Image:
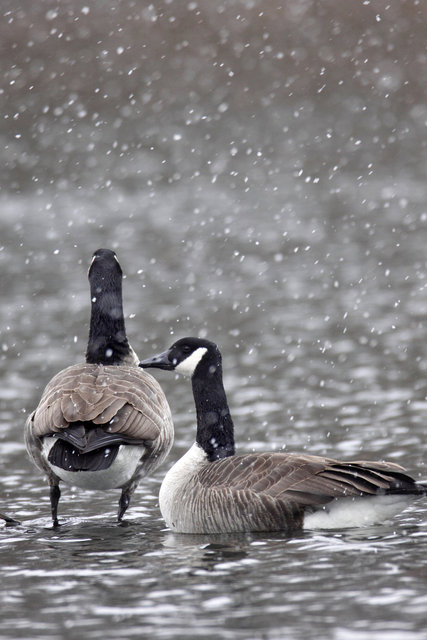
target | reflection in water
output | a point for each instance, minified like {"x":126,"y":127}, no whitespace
{"x":209,"y":555}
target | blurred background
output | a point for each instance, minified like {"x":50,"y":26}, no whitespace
{"x":137,"y":96}
{"x":260,"y":169}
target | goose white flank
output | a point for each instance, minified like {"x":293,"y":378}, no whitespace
{"x":105,"y":423}
{"x":212,"y":490}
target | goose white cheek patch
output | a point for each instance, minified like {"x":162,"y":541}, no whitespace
{"x":188,"y":366}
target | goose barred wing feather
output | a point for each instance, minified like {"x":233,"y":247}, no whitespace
{"x":304,"y":480}
{"x":272,"y":491}
{"x":127,"y":399}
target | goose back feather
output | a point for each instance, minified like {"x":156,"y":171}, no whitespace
{"x":125,"y":398}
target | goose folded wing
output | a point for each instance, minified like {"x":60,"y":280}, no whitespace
{"x":127,"y":400}
{"x":304,"y":480}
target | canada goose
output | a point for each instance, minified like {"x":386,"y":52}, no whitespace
{"x":211,"y":490}
{"x":104,"y":423}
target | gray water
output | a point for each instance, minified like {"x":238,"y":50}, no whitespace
{"x":246,"y":204}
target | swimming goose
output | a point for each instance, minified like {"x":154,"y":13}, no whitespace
{"x":104,"y":423}
{"x":211,"y":490}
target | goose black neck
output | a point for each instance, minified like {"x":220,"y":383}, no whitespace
{"x":215,"y":430}
{"x":108,"y":343}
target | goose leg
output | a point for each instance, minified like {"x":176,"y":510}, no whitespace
{"x":125,"y":499}
{"x":55,"y":494}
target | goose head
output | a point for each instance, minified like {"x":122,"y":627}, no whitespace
{"x":105,"y":271}
{"x":188,"y":356}
{"x":108,"y":343}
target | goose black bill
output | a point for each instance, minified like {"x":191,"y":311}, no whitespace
{"x":159,"y":361}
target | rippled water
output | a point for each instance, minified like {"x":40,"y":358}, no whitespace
{"x":97,"y":579}
{"x":322,"y":332}
{"x":260,"y":171}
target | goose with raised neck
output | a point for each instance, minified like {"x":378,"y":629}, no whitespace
{"x":212,"y":490}
{"x":104,"y":423}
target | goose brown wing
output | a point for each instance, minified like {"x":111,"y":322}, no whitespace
{"x":126,"y":398}
{"x":304,"y":480}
